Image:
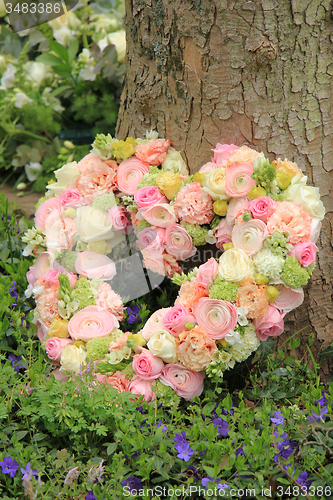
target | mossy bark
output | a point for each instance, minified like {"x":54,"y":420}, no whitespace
{"x":244,"y":72}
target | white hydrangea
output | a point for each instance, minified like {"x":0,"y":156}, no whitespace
{"x":250,"y":343}
{"x":268,"y":264}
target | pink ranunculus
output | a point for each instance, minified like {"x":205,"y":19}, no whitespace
{"x":217,"y":317}
{"x":223,"y":151}
{"x":44,"y":209}
{"x":289,"y":298}
{"x":178,"y":242}
{"x":160,"y":215}
{"x":269,"y":325}
{"x":176,"y":318}
{"x":305,"y":253}
{"x":222,"y":234}
{"x":262,"y":208}
{"x":146,"y":365}
{"x":186,"y":383}
{"x":94,"y":265}
{"x":142,"y":387}
{"x":54,"y":346}
{"x":208,"y":272}
{"x":72,"y":198}
{"x":42,"y":265}
{"x":206,"y":167}
{"x":152,"y":239}
{"x":110,"y":300}
{"x":154,"y":323}
{"x":152,"y":152}
{"x":59,"y":232}
{"x":238,"y":180}
{"x":148,"y":196}
{"x":235,"y":206}
{"x":119,"y":218}
{"x":249,"y":236}
{"x":92,"y":322}
{"x":130,"y":173}
{"x":194,"y":205}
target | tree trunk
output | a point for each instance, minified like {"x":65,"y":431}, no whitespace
{"x":245,"y":72}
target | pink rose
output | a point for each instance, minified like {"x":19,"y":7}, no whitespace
{"x":154,"y":323}
{"x":152,"y":152}
{"x":194,"y":205}
{"x":92,"y":322}
{"x":207,"y":166}
{"x":176,"y":318}
{"x":54,"y":346}
{"x":160,"y":215}
{"x":147,"y":196}
{"x":94,"y":265}
{"x":207,"y":272}
{"x":249,"y":236}
{"x":146,"y":365}
{"x":52,"y":278}
{"x":178,"y":242}
{"x":119,"y":218}
{"x":269,"y":325}
{"x":305,"y":253}
{"x":217,"y":317}
{"x":152,"y":239}
{"x":186,"y":383}
{"x":223,"y":151}
{"x":44,"y":209}
{"x":262,"y":208}
{"x":141,"y":387}
{"x":222,"y":234}
{"x":235,"y":206}
{"x":238,"y":180}
{"x":110,"y":300}
{"x":72,"y":198}
{"x":130,"y":173}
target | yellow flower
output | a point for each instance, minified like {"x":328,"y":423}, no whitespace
{"x":169,"y":183}
{"x":138,"y":339}
{"x":123,"y":150}
{"x":220,"y":207}
{"x":59,"y":328}
{"x":272,"y":293}
{"x":199,"y":177}
{"x":287,"y":167}
{"x":256,"y":192}
{"x":282,"y":179}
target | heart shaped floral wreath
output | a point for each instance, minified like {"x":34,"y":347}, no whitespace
{"x":262,"y":217}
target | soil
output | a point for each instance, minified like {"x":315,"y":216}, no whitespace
{"x":26,"y":204}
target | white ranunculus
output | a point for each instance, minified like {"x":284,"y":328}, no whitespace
{"x":307,"y":196}
{"x":66,"y":177}
{"x":92,"y":224}
{"x":214,"y":183}
{"x":163,"y":345}
{"x":72,"y":358}
{"x":174,"y":161}
{"x":21,"y":99}
{"x":8,"y":77}
{"x":234,"y":265}
{"x":118,"y":39}
{"x":35,"y":71}
{"x":32,"y":170}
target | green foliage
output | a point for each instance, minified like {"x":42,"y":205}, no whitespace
{"x":39,"y":118}
{"x":102,"y":110}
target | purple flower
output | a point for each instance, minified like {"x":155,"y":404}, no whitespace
{"x":91,"y":495}
{"x":240,"y":451}
{"x":180,"y":438}
{"x":281,"y":436}
{"x":9,"y":466}
{"x":134,"y":483}
{"x":222,"y":426}
{"x":278,"y":418}
{"x":28,"y":472}
{"x":304,"y":481}
{"x":323,"y":400}
{"x":12,"y":291}
{"x":185,"y":452}
{"x":286,"y":448}
{"x":318,"y":418}
{"x":159,"y":424}
{"x":140,"y":409}
{"x":133,"y":314}
{"x":205,"y":480}
{"x":15,"y":360}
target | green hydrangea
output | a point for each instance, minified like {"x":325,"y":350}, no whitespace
{"x":143,"y":224}
{"x":98,"y":347}
{"x":104,"y":201}
{"x":197,"y":233}
{"x":215,"y":222}
{"x":150,"y":178}
{"x":223,"y":290}
{"x":84,"y":293}
{"x":277,"y":243}
{"x":67,"y":260}
{"x":264,"y":174}
{"x":293,"y":274}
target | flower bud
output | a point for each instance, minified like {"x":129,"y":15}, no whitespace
{"x":228,"y":246}
{"x":69,"y":212}
{"x":246,"y":216}
{"x":69,"y":145}
{"x":21,"y":186}
{"x":256,"y":192}
{"x":189,"y":325}
{"x":272,"y":293}
{"x":198,"y":177}
{"x":282,"y":179}
{"x":261,"y":279}
{"x":137,"y":338}
{"x":220,"y":207}
{"x":79,"y":343}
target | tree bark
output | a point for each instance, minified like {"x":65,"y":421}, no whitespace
{"x":245,"y":72}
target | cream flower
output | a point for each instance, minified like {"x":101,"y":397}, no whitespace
{"x":72,"y":358}
{"x":214,"y":183}
{"x":92,"y":224}
{"x":307,"y":196}
{"x":66,"y":178}
{"x":234,"y":265}
{"x":249,"y":236}
{"x":118,"y":39}
{"x":163,"y":345}
{"x":175,"y":162}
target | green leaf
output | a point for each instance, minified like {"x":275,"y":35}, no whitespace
{"x":111,"y":448}
{"x":59,"y":90}
{"x":63,"y":70}
{"x":72,"y":50}
{"x":266,"y":348}
{"x":59,"y":50}
{"x":49,"y":59}
{"x":328,"y":352}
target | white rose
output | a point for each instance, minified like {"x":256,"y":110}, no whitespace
{"x":32,"y":170}
{"x":214,"y":183}
{"x":72,"y":358}
{"x":92,"y":224}
{"x":21,"y":100}
{"x":163,"y":345}
{"x":174,"y":161}
{"x":35,"y":71}
{"x":8,"y":77}
{"x":234,"y":265}
{"x":118,"y":39}
{"x":66,"y":177}
{"x":307,"y":196}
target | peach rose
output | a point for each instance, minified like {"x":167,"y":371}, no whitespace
{"x":238,"y":180}
{"x":154,"y":323}
{"x":223,"y":151}
{"x":152,"y":152}
{"x":91,"y":322}
{"x":262,"y":208}
{"x":270,"y":325}
{"x":141,"y":387}
{"x":186,"y":383}
{"x":117,"y":380}
{"x":305,"y":253}
{"x":217,"y":317}
{"x":54,"y":347}
{"x":146,"y":365}
{"x":193,"y":205}
{"x":222,"y":234}
{"x":94,"y":265}
{"x":178,"y":242}
{"x":195,"y":349}
{"x":130,"y":173}
{"x":189,"y":294}
{"x":249,"y":236}
{"x":160,"y":215}
{"x":110,"y":300}
{"x":148,"y":196}
{"x":207,"y":272}
{"x":176,"y":318}
{"x":44,"y":209}
{"x":96,"y":176}
{"x":290,"y":217}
